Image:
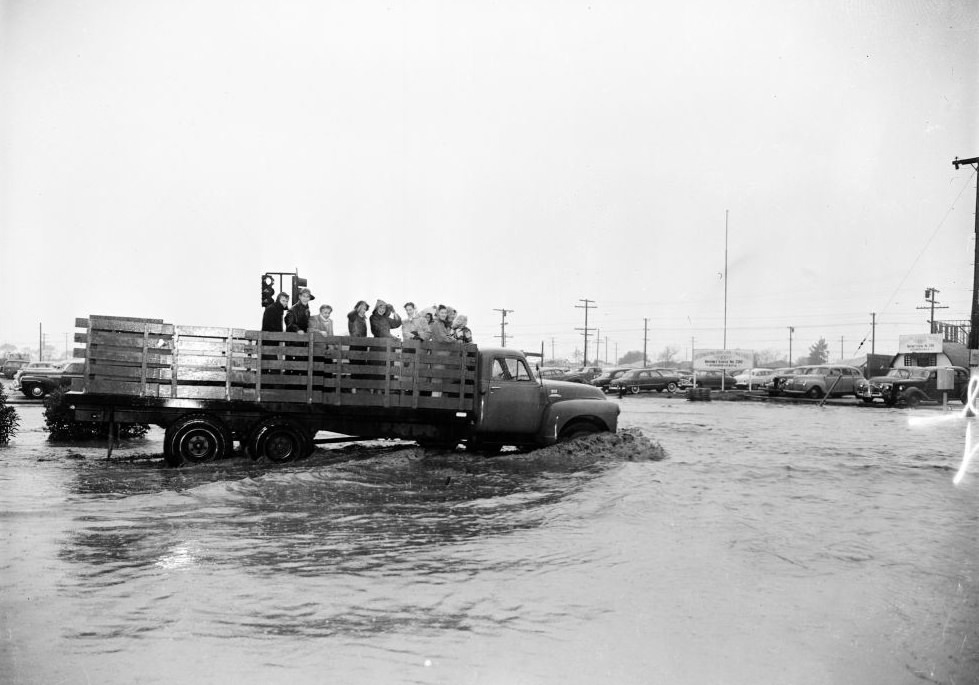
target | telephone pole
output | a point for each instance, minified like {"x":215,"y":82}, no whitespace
{"x":974,"y":321}
{"x":645,"y":335}
{"x":930,"y":298}
{"x":873,"y":332}
{"x":588,"y":304}
{"x":502,"y":335}
{"x":791,"y":331}
{"x":598,"y":344}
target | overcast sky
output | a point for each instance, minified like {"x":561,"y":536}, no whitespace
{"x":157,"y":157}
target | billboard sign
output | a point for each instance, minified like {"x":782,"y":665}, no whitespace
{"x":723,"y":359}
{"x":924,"y":343}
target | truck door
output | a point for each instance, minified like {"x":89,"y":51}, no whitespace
{"x":510,"y":399}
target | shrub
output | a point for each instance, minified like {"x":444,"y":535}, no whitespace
{"x":62,"y":426}
{"x":8,"y":419}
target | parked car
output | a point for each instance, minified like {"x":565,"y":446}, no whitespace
{"x":583,"y":375}
{"x":775,"y":382}
{"x":10,"y":367}
{"x":818,"y":381}
{"x":711,"y":378}
{"x":602,"y":381}
{"x":753,"y":378}
{"x":912,"y":385}
{"x":637,"y":380}
{"x":552,"y":373}
{"x":39,"y":381}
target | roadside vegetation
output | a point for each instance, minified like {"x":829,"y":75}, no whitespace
{"x":9,"y":421}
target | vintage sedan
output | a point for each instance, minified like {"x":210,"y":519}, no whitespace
{"x":833,"y":380}
{"x":780,"y":377}
{"x":711,"y":378}
{"x":608,"y":376}
{"x":638,"y":380}
{"x":38,"y":382}
{"x":913,"y":385}
{"x":754,"y":379}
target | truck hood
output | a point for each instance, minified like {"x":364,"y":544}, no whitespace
{"x":561,"y":390}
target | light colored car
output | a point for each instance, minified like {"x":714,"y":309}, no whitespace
{"x":818,"y":381}
{"x":753,"y":378}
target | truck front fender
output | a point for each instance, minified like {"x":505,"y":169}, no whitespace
{"x":602,"y":414}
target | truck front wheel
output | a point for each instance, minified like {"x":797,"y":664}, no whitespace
{"x":578,"y":430}
{"x":196,"y":439}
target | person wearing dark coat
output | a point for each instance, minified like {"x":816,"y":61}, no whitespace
{"x":297,"y":320}
{"x":272,"y":318}
{"x":383,"y":319}
{"x":357,"y":320}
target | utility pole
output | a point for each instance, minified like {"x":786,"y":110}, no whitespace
{"x":40,"y":341}
{"x":974,"y":321}
{"x":873,"y":332}
{"x":598,"y":344}
{"x":791,"y":331}
{"x":606,"y":349}
{"x":841,"y":348}
{"x":502,"y":335}
{"x":552,"y":350}
{"x":645,"y":332}
{"x":725,"y":278}
{"x":930,"y":298}
{"x":588,"y":304}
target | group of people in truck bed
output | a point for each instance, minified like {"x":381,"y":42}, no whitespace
{"x":438,"y":323}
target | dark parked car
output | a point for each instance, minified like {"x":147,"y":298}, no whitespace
{"x":711,"y":378}
{"x":607,"y":377}
{"x":39,"y":382}
{"x":10,"y":367}
{"x":912,"y":385}
{"x":637,"y":380}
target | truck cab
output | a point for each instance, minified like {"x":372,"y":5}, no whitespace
{"x":515,"y":407}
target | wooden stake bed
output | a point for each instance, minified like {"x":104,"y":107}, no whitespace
{"x":147,"y":358}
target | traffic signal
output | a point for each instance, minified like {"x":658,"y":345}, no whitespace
{"x":297,"y":283}
{"x":268,"y":290}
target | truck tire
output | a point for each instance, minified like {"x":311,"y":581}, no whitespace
{"x":280,"y":440}
{"x":196,"y":439}
{"x":912,"y":399}
{"x":577,"y":430}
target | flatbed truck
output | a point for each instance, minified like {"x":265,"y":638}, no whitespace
{"x":272,"y":393}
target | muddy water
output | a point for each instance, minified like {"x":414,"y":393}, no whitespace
{"x":773,"y":544}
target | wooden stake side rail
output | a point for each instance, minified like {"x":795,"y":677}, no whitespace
{"x":150,"y":358}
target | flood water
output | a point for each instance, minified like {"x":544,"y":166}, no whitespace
{"x":772,"y":544}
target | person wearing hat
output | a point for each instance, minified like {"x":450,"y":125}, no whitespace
{"x":297,"y":319}
{"x":272,"y":317}
{"x":383,"y":319}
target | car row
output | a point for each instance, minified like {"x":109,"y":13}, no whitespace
{"x":11,"y":365}
{"x":636,"y":381}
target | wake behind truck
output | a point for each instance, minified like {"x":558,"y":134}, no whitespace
{"x":273,"y":392}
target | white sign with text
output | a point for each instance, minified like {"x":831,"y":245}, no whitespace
{"x":924,"y":343}
{"x":723,"y":359}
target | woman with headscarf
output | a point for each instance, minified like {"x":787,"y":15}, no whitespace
{"x":460,"y":331}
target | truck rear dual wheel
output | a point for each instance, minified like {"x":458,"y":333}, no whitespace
{"x":280,"y":440}
{"x":196,"y":439}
